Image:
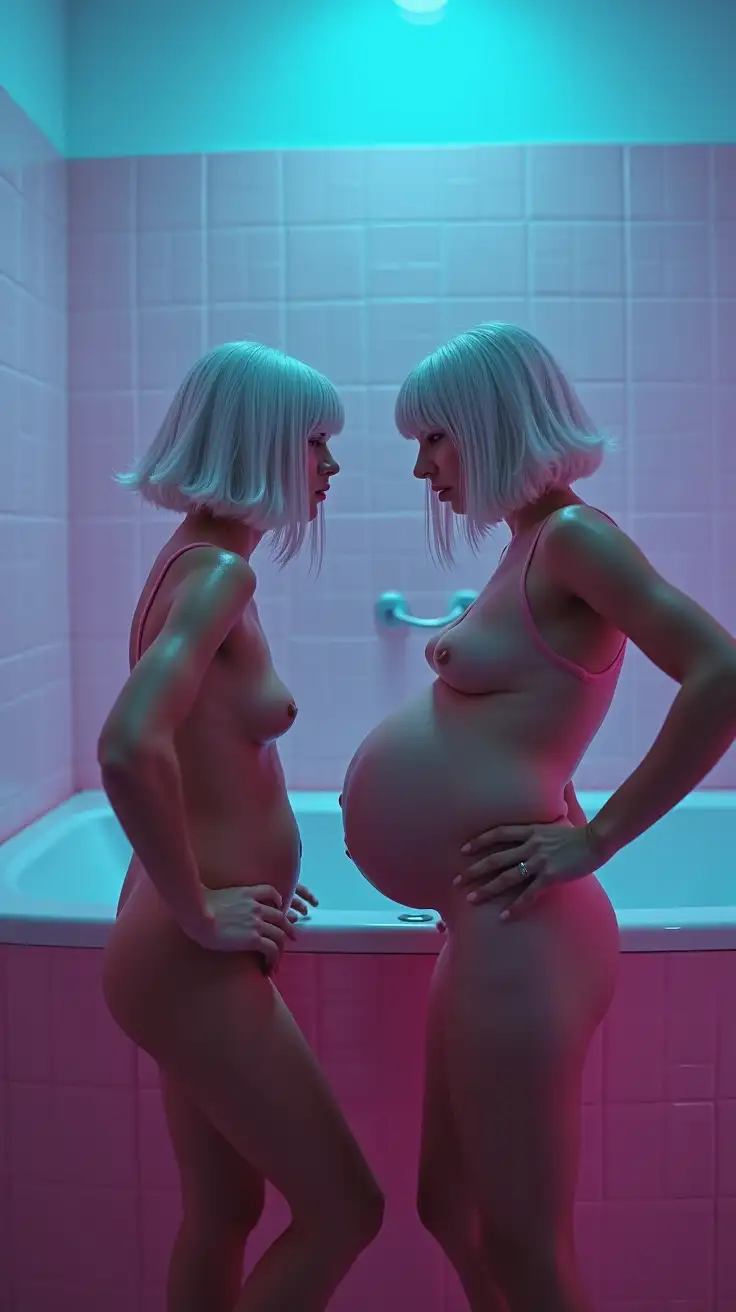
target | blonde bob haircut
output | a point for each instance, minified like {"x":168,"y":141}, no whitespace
{"x":234,"y":442}
{"x":515,"y":419}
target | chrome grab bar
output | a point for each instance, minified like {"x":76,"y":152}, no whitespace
{"x":392,"y":610}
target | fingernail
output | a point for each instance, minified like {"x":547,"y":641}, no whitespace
{"x":466,"y":848}
{"x":472,"y":897}
{"x":457,"y":879}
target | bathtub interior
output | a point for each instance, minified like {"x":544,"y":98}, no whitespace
{"x":79,"y":855}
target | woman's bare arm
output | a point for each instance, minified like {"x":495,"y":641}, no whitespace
{"x":140,"y":769}
{"x":595,"y":561}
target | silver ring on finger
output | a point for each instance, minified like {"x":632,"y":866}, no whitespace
{"x":523,"y":870}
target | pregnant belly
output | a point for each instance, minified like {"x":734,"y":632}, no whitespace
{"x":422,"y":783}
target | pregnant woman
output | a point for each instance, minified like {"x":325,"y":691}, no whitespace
{"x":191,"y":767}
{"x":485,"y":755}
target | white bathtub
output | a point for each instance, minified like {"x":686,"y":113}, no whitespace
{"x":673,"y":889}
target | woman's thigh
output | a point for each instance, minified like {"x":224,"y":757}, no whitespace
{"x":522,"y":1000}
{"x":221,"y":1033}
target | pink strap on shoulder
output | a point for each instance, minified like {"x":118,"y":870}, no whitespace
{"x":188,"y":546}
{"x":544,"y":647}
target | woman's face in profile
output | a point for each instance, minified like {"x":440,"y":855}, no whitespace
{"x":321,"y":467}
{"x":439,"y":461}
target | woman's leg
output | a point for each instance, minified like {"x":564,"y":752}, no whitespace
{"x":234,"y":1058}
{"x":445,"y":1200}
{"x":523,"y":1001}
{"x":222,"y":1201}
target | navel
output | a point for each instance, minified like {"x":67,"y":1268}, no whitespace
{"x":442,"y":657}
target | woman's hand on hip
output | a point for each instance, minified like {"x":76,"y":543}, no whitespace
{"x":302,"y":896}
{"x":245,"y":919}
{"x":529,"y":858}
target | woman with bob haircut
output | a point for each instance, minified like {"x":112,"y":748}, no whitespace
{"x":190,"y":764}
{"x":463,"y":801}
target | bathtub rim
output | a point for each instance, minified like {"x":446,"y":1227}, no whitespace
{"x":88,"y":924}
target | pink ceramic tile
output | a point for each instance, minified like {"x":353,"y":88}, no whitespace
{"x":576,"y":182}
{"x":590,"y":1181}
{"x":11,"y":303}
{"x":403,"y":1267}
{"x":725,"y":1249}
{"x":676,"y":413}
{"x":101,"y":194}
{"x":325,"y":186}
{"x":725,"y":340}
{"x":67,"y":1135}
{"x":724,"y":176}
{"x":87,"y":1046}
{"x":328,"y":337}
{"x":692,"y":998}
{"x":485,"y":259}
{"x":245,"y":322}
{"x":169,"y":268}
{"x":158,"y":1170}
{"x":11,"y":229}
{"x":169,"y":192}
{"x":671,"y":340}
{"x":670,"y":260}
{"x":402,"y":184}
{"x":169,"y":340}
{"x":573,"y":259}
{"x":68,"y":1234}
{"x":669,"y":182}
{"x":104,"y":444}
{"x":725,"y":463}
{"x":657,"y":1249}
{"x":726,"y":1147}
{"x":586,"y":335}
{"x":398,"y":335}
{"x":403,"y":259}
{"x":633,"y":1068}
{"x":325,"y":263}
{"x":6,"y":1248}
{"x":3,"y":1028}
{"x":36,"y":1297}
{"x":588,"y":1236}
{"x":482,"y":182}
{"x":104,"y":587}
{"x":29,"y":1034}
{"x":458,"y":314}
{"x":243,"y":264}
{"x":160,"y":1220}
{"x":672,"y":474}
{"x":101,"y":269}
{"x":681,"y":547}
{"x":689,"y":1150}
{"x":100,"y":350}
{"x":633,"y":1152}
{"x":242,"y":188}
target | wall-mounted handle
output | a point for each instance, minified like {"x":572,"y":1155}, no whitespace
{"x":392,"y":610}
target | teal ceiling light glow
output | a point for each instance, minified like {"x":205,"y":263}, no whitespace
{"x":422,"y":11}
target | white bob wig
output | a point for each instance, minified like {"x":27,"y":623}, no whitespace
{"x":234,"y":442}
{"x":515,"y":419}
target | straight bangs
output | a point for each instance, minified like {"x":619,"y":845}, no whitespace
{"x":234,"y":442}
{"x":427,"y":403}
{"x":515,"y":419}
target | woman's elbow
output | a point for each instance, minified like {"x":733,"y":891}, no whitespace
{"x":118,"y":749}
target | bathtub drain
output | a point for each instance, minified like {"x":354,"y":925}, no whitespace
{"x":416,"y":917}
